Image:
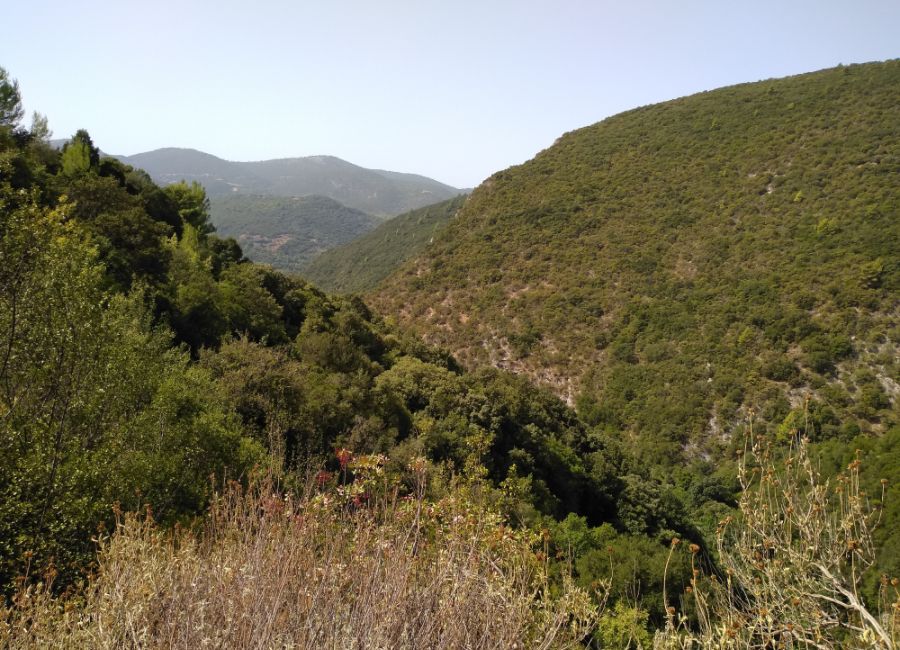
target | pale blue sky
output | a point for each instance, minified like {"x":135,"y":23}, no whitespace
{"x":454,"y":90}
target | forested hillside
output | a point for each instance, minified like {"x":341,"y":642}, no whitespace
{"x":674,"y":268}
{"x":287,"y":232}
{"x":359,"y":265}
{"x":146,"y":361}
{"x":199,"y":451}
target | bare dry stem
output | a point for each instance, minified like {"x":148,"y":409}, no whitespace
{"x":324,"y":570}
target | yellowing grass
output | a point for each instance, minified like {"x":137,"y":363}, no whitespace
{"x":335,"y":568}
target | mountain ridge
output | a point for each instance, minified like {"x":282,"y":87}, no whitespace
{"x":377,"y":192}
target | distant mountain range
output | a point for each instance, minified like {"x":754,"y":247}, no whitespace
{"x":373,"y":191}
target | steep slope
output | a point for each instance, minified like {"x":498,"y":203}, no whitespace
{"x":373,"y":191}
{"x":675,"y":266}
{"x":361,"y":264}
{"x":287,"y":232}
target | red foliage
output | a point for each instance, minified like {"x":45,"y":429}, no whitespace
{"x":344,"y":457}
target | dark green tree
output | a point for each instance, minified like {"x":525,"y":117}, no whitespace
{"x":192,"y":204}
{"x":10,"y":101}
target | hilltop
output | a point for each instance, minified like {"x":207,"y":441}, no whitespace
{"x":674,"y":268}
{"x":376,"y":192}
{"x":362,"y":263}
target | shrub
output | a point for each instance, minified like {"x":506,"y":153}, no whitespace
{"x":345,"y":565}
{"x":792,"y":563}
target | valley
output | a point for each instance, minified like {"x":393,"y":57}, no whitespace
{"x":638,"y":391}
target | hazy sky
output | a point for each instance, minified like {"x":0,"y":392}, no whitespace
{"x":454,"y":90}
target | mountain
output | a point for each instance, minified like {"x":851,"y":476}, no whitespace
{"x":361,"y":264}
{"x":218,"y":176}
{"x":287,"y":232}
{"x":687,"y":263}
{"x":146,"y":361}
{"x":676,"y":268}
{"x":375,"y":192}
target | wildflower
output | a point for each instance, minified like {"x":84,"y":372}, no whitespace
{"x":344,"y":456}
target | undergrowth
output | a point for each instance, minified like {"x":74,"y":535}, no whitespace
{"x":349,"y":562}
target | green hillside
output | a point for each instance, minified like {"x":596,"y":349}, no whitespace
{"x":196,"y":450}
{"x":675,"y":267}
{"x":361,"y":264}
{"x":287,"y":232}
{"x":146,"y":360}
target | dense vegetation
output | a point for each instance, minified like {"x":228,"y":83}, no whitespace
{"x":673,"y":268}
{"x":359,"y":265}
{"x":145,"y":360}
{"x":373,"y":191}
{"x":287,"y":232}
{"x":147,"y":365}
{"x":317,"y":570}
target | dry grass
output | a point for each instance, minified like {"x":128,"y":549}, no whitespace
{"x":792,"y":563}
{"x":343,"y":566}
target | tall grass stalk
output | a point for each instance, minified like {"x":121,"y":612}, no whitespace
{"x":340,"y":566}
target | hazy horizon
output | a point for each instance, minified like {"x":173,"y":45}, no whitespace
{"x":450,"y":92}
